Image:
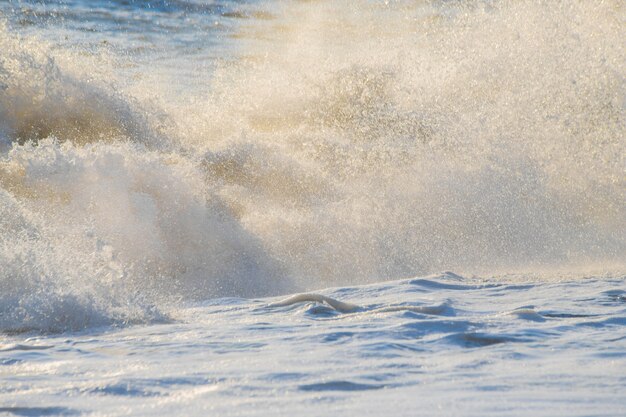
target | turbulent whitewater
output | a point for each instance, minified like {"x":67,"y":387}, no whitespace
{"x":181,"y":182}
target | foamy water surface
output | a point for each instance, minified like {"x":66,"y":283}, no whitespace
{"x":440,"y":345}
{"x":170,"y":171}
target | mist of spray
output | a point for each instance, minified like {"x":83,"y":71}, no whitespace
{"x":348,"y":143}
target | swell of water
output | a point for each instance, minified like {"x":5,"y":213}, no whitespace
{"x":344,"y":144}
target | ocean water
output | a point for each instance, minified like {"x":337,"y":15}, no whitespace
{"x":246,"y":208}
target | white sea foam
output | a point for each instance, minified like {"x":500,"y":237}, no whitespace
{"x":171,"y":171}
{"x":341,"y":143}
{"x":436,"y":345}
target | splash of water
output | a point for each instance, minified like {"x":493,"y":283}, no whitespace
{"x":347,"y":144}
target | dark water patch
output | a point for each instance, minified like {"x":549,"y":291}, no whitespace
{"x":494,"y":388}
{"x":515,"y":287}
{"x":392,"y":347}
{"x":381,"y":377}
{"x":177,"y":381}
{"x":263,"y":326}
{"x":74,"y":350}
{"x":419,"y":329}
{"x":443,"y":309}
{"x":610,"y":355}
{"x":617,"y":339}
{"x":475,"y":364}
{"x":568,"y":315}
{"x":124,"y":389}
{"x":612,"y":321}
{"x":224,"y":348}
{"x":387,"y":351}
{"x":615,"y":296}
{"x":538,"y":333}
{"x":339,"y":386}
{"x":285,"y":376}
{"x":519,"y":356}
{"x":339,"y":337}
{"x":475,"y":340}
{"x":432,"y":284}
{"x":149,"y":387}
{"x":38,"y":411}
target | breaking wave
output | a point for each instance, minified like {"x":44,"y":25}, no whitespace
{"x":345,"y":143}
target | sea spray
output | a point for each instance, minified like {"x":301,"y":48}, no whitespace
{"x":475,"y":136}
{"x":342,"y":143}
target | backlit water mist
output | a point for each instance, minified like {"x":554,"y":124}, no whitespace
{"x":163,"y":164}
